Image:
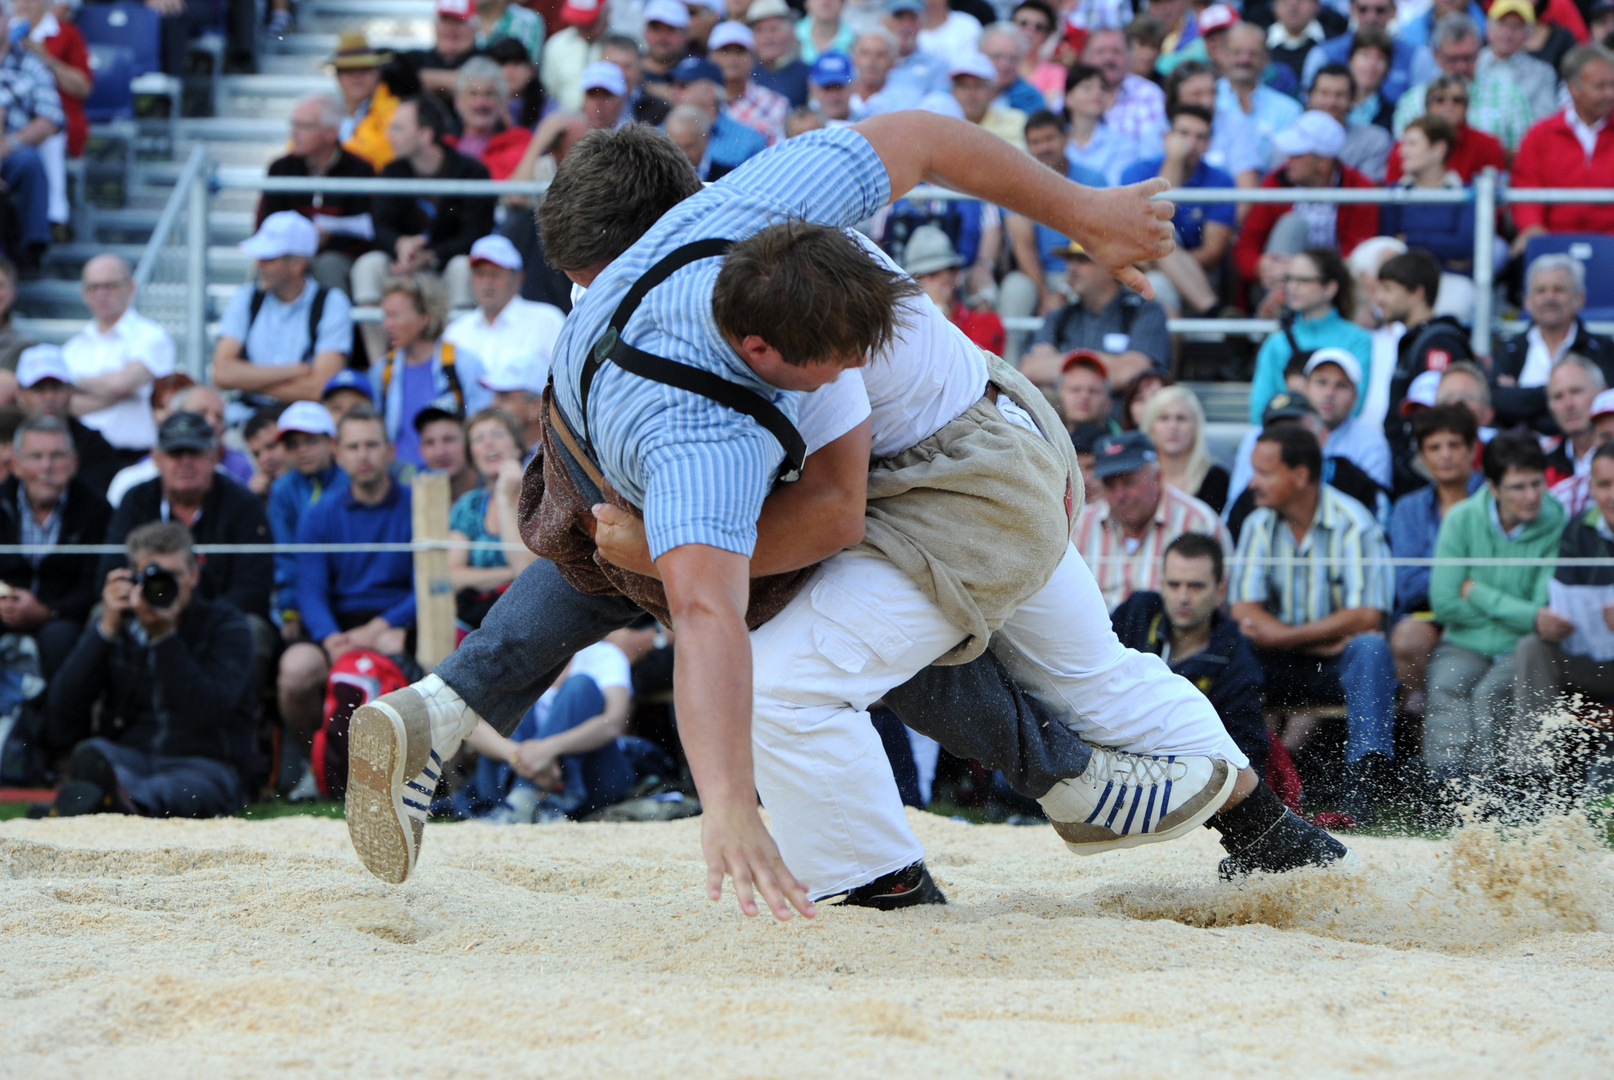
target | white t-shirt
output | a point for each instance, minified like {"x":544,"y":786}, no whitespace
{"x":521,"y":339}
{"x":954,"y":39}
{"x":127,"y":424}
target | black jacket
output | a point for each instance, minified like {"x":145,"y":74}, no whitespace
{"x":97,"y":462}
{"x":1225,"y":671}
{"x":1430,"y":346}
{"x":190,"y":695}
{"x":1517,"y":405}
{"x":66,"y":583}
{"x":347,"y":165}
{"x":451,"y":223}
{"x":230,"y":515}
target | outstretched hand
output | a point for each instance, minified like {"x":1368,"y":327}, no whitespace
{"x":1130,"y":226}
{"x":737,"y":845}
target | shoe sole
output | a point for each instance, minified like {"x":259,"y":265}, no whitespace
{"x":1211,"y":799}
{"x":380,"y":737}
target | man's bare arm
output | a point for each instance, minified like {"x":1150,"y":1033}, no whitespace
{"x":1117,"y":226}
{"x":707,"y":593}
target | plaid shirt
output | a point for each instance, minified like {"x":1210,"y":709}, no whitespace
{"x":1139,"y":111}
{"x":1330,"y":570}
{"x":1102,"y":542}
{"x":28,"y":90}
{"x":1496,"y":106}
{"x":762,"y":110}
{"x":35,"y":533}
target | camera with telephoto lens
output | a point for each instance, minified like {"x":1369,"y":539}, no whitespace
{"x":159,"y":588}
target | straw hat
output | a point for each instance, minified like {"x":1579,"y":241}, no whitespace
{"x":353,"y":53}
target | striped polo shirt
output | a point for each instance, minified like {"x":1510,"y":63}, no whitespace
{"x":1341,"y":562}
{"x":1121,"y":572}
{"x":697,"y":469}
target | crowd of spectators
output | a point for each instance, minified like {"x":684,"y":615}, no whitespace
{"x":384,"y":336}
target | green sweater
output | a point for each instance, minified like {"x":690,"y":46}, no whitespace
{"x":1502,"y":606}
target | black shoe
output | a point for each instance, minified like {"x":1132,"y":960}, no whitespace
{"x":88,"y":765}
{"x":78,"y":797}
{"x":907,"y":887}
{"x":1291,"y":844}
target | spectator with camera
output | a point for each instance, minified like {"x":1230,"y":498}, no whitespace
{"x":48,"y":595}
{"x":173,"y":674}
{"x":351,"y":599}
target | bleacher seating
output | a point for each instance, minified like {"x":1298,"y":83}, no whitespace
{"x":112,"y":97}
{"x":128,"y":25}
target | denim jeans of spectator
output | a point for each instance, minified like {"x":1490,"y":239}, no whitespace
{"x":23,"y":170}
{"x":1470,"y":706}
{"x":164,"y":786}
{"x":593,"y":780}
{"x":1362,"y":676}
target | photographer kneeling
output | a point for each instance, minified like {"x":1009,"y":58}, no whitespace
{"x":174,"y":674}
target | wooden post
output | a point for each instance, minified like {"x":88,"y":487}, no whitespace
{"x":434,"y":592}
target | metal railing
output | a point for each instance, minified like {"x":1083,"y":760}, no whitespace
{"x":171,"y":277}
{"x":1486,"y":193}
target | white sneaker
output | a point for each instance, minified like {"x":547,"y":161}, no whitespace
{"x":396,"y":748}
{"x":1124,"y":800}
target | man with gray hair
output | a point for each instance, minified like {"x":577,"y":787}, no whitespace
{"x":1005,"y":46}
{"x":480,"y":93}
{"x":343,"y":220}
{"x":874,"y":54}
{"x":1572,"y":388}
{"x":690,"y":130}
{"x":1554,"y":293}
{"x":1496,"y":105}
{"x":1571,"y":149}
{"x":48,"y":595}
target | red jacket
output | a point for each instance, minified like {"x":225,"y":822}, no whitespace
{"x":504,"y":151}
{"x":1473,"y":151}
{"x":1356,"y":221}
{"x":1551,"y":157}
{"x":984,"y":328}
{"x":67,"y":46}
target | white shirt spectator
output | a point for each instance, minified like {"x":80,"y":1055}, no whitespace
{"x":520,"y":338}
{"x":127,"y":424}
{"x":954,"y":39}
{"x":1539,"y":360}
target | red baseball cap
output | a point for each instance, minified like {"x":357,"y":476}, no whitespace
{"x":455,"y":9}
{"x":581,"y":12}
{"x":1086,"y":358}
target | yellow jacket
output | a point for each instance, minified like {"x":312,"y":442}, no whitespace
{"x":369,"y":139}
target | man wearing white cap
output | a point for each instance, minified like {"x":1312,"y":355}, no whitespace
{"x":505,"y":331}
{"x":44,"y":388}
{"x":1274,"y":231}
{"x":307,"y":434}
{"x":455,"y":43}
{"x":974,"y":88}
{"x":282,"y":336}
{"x":1333,"y":382}
{"x":732,"y":47}
{"x":605,"y":96}
{"x":780,"y":67}
{"x":568,"y":52}
{"x":112,"y":361}
{"x":666,"y":41}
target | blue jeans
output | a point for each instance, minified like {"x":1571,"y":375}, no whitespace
{"x":160,"y":785}
{"x":593,"y":780}
{"x":1363,"y":677}
{"x":24,"y":173}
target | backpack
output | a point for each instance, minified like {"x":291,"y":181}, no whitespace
{"x":359,"y":676}
{"x":449,"y":373}
{"x":315,"y":311}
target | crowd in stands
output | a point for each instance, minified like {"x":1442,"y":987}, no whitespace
{"x":1375,"y":432}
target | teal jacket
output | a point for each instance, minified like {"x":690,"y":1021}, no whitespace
{"x":1502,"y":606}
{"x":1332,"y":329}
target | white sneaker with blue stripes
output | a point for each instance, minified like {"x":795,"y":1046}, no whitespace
{"x":1125,"y":800}
{"x":396,"y":748}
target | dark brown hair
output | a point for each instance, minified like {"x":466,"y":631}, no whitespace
{"x":611,"y":188}
{"x":1455,"y":419}
{"x":1437,"y":129}
{"x":811,"y":292}
{"x":1332,"y":268}
{"x":1297,"y":447}
{"x":1516,"y":449}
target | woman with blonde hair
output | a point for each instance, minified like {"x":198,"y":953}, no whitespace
{"x":487,"y":512}
{"x":421,"y":370}
{"x":1174,"y":420}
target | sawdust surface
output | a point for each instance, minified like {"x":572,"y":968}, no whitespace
{"x":134,"y":948}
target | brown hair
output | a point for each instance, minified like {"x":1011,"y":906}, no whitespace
{"x":160,"y":538}
{"x":509,"y":422}
{"x":611,"y":188}
{"x":1437,"y":129}
{"x":1455,"y":419}
{"x":361,"y":413}
{"x":811,"y":292}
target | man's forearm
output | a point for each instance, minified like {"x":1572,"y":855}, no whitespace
{"x":35,"y":131}
{"x":234,"y":373}
{"x":808,"y":521}
{"x":1336,"y":627}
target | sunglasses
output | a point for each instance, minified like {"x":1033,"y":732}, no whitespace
{"x":1448,"y":100}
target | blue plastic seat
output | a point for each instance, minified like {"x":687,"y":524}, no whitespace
{"x":111,"y":98}
{"x":1594,"y":251}
{"x":128,"y":25}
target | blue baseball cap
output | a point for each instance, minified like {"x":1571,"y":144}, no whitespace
{"x":693,"y":69}
{"x":831,"y":69}
{"x":1120,"y":454}
{"x":348,"y":379}
{"x":896,"y":7}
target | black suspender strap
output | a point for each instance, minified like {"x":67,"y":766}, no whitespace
{"x":659,"y":369}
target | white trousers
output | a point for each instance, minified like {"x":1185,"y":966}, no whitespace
{"x":53,"y":154}
{"x":861,"y":627}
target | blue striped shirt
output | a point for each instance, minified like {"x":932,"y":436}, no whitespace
{"x":1341,"y":562}
{"x":697,"y":469}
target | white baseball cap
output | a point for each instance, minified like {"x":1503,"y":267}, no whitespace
{"x":285,"y":233}
{"x":604,"y":75}
{"x":1603,"y":404}
{"x":308,"y":417}
{"x":515,"y":376}
{"x":729,"y":33}
{"x":1422,"y":391}
{"x":1344,"y":359}
{"x":667,"y":13}
{"x":1314,"y":133}
{"x":976,"y":64}
{"x":497,"y":250}
{"x":40,"y":362}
